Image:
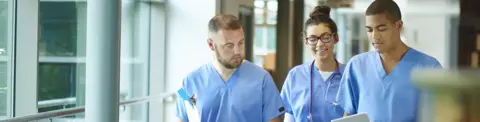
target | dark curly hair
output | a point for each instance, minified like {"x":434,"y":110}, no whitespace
{"x":321,"y":15}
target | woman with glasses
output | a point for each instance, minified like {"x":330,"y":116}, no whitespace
{"x":310,"y":89}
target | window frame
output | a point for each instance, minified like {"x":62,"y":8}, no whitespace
{"x":77,"y":59}
{"x":25,"y":58}
{"x":25,"y":78}
{"x":9,"y":59}
{"x":264,"y":49}
{"x":146,"y":11}
{"x":157,"y":83}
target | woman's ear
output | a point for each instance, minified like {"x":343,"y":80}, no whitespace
{"x":304,"y":38}
{"x":336,"y":39}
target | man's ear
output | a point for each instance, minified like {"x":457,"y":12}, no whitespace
{"x":211,"y":44}
{"x":399,"y":24}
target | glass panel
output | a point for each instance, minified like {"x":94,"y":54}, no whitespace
{"x":259,"y":36}
{"x":259,"y":18}
{"x":62,"y":29}
{"x":62,"y":48}
{"x":3,"y":88}
{"x":272,"y":18}
{"x":61,"y":68}
{"x":4,"y":17}
{"x":58,"y":81}
{"x":259,"y":4}
{"x":6,"y":51}
{"x":272,"y":38}
{"x":272,"y":12}
{"x":134,"y":72}
{"x":272,"y":6}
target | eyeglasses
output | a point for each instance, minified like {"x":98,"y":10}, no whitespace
{"x":325,"y":38}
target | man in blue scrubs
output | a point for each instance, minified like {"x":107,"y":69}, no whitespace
{"x":230,"y":89}
{"x":379,"y":82}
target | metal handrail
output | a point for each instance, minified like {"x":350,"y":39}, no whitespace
{"x":65,"y":101}
{"x":57,"y":102}
{"x":77,"y":110}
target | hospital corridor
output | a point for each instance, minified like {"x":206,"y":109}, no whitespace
{"x":239,"y":60}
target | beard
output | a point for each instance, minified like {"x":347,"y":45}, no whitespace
{"x":226,"y":63}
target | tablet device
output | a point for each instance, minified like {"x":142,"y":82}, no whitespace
{"x":192,"y":111}
{"x":361,"y":117}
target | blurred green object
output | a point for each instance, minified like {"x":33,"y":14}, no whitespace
{"x":448,"y":95}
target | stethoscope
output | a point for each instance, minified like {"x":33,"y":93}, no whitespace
{"x":329,"y":81}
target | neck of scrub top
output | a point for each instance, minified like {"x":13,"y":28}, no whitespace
{"x":396,"y":53}
{"x":326,"y":65}
{"x":224,"y":72}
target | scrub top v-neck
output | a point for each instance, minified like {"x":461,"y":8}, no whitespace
{"x":249,"y":95}
{"x":365,"y":87}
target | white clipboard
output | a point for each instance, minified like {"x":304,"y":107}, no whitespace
{"x":192,"y":111}
{"x":361,"y":117}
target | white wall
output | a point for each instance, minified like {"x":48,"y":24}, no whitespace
{"x":426,"y":24}
{"x":186,"y":39}
{"x":186,"y":42}
{"x":427,"y":28}
{"x":428,"y":34}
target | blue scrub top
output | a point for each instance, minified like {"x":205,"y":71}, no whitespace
{"x":249,"y":95}
{"x":296,"y":94}
{"x":366,"y":88}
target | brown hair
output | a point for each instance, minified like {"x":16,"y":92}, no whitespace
{"x":321,"y":15}
{"x":224,"y":22}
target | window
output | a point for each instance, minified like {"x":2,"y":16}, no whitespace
{"x":271,"y":9}
{"x":61,"y":68}
{"x":259,"y":37}
{"x":265,"y":28}
{"x":62,"y":51}
{"x":6,"y":56}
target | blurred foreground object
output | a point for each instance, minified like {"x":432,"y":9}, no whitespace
{"x":476,"y":54}
{"x":454,"y":95}
{"x":468,"y":35}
